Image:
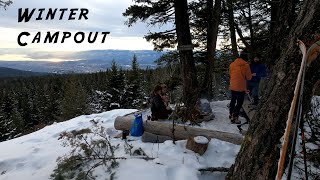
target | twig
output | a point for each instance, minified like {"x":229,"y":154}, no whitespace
{"x":88,"y":144}
{"x":94,"y":166}
{"x":214,"y":169}
{"x":115,"y":158}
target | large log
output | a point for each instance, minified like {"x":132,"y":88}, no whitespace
{"x":180,"y":131}
{"x":248,"y":109}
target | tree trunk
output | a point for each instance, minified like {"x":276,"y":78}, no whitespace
{"x":274,"y":15}
{"x":180,"y":131}
{"x":250,"y":27}
{"x":281,"y":18}
{"x":232,"y":29}
{"x":212,"y":35}
{"x":239,"y":31}
{"x":188,"y":69}
{"x":259,"y":154}
{"x":197,"y":147}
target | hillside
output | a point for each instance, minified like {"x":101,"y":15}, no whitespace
{"x":33,"y":156}
{"x":87,"y":61}
{"x":9,"y":72}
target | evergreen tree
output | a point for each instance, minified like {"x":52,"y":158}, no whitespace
{"x":116,"y":87}
{"x":74,"y":100}
{"x":10,"y":118}
{"x":134,"y":88}
{"x":5,"y":4}
{"x":53,"y":99}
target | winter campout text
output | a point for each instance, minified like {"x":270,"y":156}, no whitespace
{"x":24,"y":15}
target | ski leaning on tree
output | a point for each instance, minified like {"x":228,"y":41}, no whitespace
{"x":296,"y":107}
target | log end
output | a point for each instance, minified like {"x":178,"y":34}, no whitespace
{"x":198,"y":144}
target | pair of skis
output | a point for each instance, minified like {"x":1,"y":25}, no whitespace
{"x":307,"y":58}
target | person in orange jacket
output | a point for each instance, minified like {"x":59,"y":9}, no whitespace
{"x":240,"y":73}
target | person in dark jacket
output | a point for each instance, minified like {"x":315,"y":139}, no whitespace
{"x":159,"y":109}
{"x":164,"y":94}
{"x":258,"y":70}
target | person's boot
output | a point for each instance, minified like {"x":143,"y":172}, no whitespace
{"x":231,"y":117}
{"x":236,"y":120}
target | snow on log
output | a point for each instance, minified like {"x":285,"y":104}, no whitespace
{"x":198,"y":144}
{"x":180,"y":131}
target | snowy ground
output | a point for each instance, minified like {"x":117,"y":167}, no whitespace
{"x":221,"y":121}
{"x":33,"y":157}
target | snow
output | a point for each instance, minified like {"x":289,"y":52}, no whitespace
{"x":201,"y":140}
{"x":221,"y":121}
{"x":99,"y":92}
{"x":33,"y":156}
{"x":298,"y":170}
{"x":311,"y":146}
{"x":114,"y":104}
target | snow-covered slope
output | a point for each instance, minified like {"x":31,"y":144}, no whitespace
{"x":33,"y":157}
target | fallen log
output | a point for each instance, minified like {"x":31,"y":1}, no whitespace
{"x":180,"y":131}
{"x":249,"y":109}
{"x":153,"y":138}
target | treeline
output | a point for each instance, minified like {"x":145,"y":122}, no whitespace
{"x":30,"y":103}
{"x":27,"y":103}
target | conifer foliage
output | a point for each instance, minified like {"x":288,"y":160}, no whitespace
{"x":30,"y":103}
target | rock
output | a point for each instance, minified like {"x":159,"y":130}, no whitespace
{"x":204,"y":107}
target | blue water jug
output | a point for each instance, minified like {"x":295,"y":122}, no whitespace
{"x":137,"y":126}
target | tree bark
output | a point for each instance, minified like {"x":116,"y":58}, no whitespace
{"x":188,"y":69}
{"x":274,"y":15}
{"x":232,"y":29}
{"x":197,"y":147}
{"x":281,"y":18}
{"x":212,"y":35}
{"x":239,"y":31}
{"x":259,"y":154}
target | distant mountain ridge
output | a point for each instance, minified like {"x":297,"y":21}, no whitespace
{"x":9,"y":72}
{"x":88,"y":61}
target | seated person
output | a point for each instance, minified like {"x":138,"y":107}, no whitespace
{"x":164,"y":94}
{"x":159,"y":110}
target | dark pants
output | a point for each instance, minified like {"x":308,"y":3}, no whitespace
{"x":253,"y":87}
{"x":161,"y":114}
{"x":237,"y":99}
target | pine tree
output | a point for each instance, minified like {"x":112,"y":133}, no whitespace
{"x":74,"y":99}
{"x":134,"y":88}
{"x":10,"y":118}
{"x":53,"y":99}
{"x":116,"y":87}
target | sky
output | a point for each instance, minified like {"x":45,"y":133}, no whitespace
{"x":104,"y":15}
